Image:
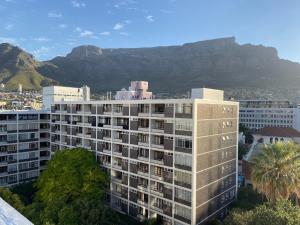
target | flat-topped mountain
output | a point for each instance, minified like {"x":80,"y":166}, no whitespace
{"x":218,"y":63}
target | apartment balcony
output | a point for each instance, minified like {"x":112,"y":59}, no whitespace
{"x":117,"y":139}
{"x":125,"y":138}
{"x":106,"y":163}
{"x":143,"y":143}
{"x":45,"y":157}
{"x":133,"y":196}
{"x":157,"y":176}
{"x":125,"y":166}
{"x":124,"y":193}
{"x":143,"y":129}
{"x":157,"y":207}
{"x":133,"y":168}
{"x":134,"y":153}
{"x":182,"y":184}
{"x":107,"y":138}
{"x":3,"y":163}
{"x":106,"y":125}
{"x":168,"y":176}
{"x":117,"y":152}
{"x":168,"y":160}
{"x":117,"y":165}
{"x":143,"y":157}
{"x":157,"y":160}
{"x":157,"y":144}
{"x":125,"y":152}
{"x":142,"y":202}
{"x":116,"y":192}
{"x":105,"y":150}
{"x":143,"y":172}
{"x":133,"y":182}
{"x":117,"y":179}
{"x":142,"y":186}
{"x":168,"y":193}
{"x":124,"y":179}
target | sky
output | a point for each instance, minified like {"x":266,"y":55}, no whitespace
{"x":48,"y":28}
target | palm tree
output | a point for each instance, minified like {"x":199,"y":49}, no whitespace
{"x":276,"y":171}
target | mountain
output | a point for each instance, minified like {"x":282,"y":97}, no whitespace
{"x":17,"y":66}
{"x":218,"y":63}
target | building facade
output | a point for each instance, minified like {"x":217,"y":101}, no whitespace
{"x":137,"y":90}
{"x":257,"y":114}
{"x":53,"y":94}
{"x":24,"y":145}
{"x":173,"y":160}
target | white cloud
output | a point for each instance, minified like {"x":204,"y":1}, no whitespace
{"x":42,"y":51}
{"x":124,"y":34}
{"x":9,"y":26}
{"x":54,"y":15}
{"x":86,"y":33}
{"x":105,"y":33}
{"x":118,"y":26}
{"x":41,"y":39}
{"x":150,"y":19}
{"x":128,"y":21}
{"x":78,"y":4}
{"x":62,"y":26}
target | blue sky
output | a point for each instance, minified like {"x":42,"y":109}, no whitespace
{"x":47,"y":28}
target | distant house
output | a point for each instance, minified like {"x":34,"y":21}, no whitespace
{"x":265,"y":136}
{"x":10,"y":216}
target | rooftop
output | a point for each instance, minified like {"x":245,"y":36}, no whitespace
{"x":278,"y":132}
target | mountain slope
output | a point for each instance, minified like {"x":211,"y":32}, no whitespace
{"x":220,"y":63}
{"x":17,"y":66}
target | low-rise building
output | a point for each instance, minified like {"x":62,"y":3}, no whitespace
{"x":263,"y":137}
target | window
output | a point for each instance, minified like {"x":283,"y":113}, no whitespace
{"x":184,"y":160}
{"x":183,"y":212}
{"x":183,"y":143}
{"x":183,"y":194}
{"x":184,"y":108}
{"x":183,"y":177}
{"x":186,"y":125}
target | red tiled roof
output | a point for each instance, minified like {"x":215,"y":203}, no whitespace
{"x":278,"y":132}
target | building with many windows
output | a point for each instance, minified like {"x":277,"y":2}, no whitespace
{"x":174,"y":159}
{"x":257,"y":114}
{"x":24,"y":145}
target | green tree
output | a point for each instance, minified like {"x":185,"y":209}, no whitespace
{"x":276,"y":171}
{"x":283,"y":213}
{"x":26,"y":192}
{"x":12,"y":199}
{"x":70,"y":191}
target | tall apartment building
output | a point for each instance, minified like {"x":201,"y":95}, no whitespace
{"x":257,"y":114}
{"x":24,"y":145}
{"x":173,"y":160}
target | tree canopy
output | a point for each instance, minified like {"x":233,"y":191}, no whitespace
{"x":71,"y":190}
{"x":283,"y":213}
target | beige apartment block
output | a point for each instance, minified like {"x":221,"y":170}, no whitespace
{"x":172,"y":159}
